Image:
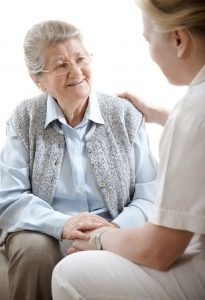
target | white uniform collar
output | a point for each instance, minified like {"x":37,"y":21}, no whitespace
{"x":199,"y":77}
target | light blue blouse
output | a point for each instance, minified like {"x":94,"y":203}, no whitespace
{"x":76,"y":190}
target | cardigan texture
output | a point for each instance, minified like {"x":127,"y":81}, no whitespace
{"x":109,"y":148}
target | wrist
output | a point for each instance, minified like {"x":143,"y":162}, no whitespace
{"x":98,"y":235}
{"x":161,"y":116}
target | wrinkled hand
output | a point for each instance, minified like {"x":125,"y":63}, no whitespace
{"x":151,"y":112}
{"x":81,"y":245}
{"x":77,"y":227}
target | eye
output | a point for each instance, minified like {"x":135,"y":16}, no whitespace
{"x":60,"y":66}
{"x":81,"y":59}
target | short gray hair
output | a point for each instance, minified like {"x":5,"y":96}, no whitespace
{"x":42,"y":35}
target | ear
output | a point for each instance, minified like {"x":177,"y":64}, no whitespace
{"x":181,"y":42}
{"x":39,"y":82}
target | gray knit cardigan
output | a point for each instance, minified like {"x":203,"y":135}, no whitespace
{"x":109,"y":148}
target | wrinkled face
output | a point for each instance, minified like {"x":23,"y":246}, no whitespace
{"x":72,"y":86}
{"x":162,"y":48}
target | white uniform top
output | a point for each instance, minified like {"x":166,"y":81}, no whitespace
{"x":180,"y":201}
{"x":180,"y":204}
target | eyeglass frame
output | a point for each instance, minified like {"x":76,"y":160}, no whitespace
{"x":69,"y":66}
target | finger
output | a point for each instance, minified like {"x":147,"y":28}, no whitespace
{"x":85,"y":216}
{"x":121,"y":93}
{"x":99,"y":219}
{"x":72,"y":250}
{"x":88,"y":218}
{"x":80,"y":245}
{"x":77,"y":234}
{"x":92,"y":225}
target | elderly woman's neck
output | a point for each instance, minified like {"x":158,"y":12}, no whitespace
{"x":74,"y":112}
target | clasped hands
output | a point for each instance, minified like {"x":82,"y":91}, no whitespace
{"x":81,"y":229}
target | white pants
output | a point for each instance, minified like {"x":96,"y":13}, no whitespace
{"x":102,"y":275}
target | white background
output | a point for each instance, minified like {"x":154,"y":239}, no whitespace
{"x":113,"y":31}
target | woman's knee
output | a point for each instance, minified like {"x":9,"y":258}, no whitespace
{"x":33,"y":248}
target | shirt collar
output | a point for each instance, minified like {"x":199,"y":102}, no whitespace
{"x":92,"y":112}
{"x":199,"y":77}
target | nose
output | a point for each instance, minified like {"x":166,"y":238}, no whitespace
{"x":74,"y":69}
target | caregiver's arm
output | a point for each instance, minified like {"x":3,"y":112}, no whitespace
{"x":150,"y":245}
{"x":152,"y":113}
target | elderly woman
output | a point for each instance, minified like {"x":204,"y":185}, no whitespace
{"x":73,"y":161}
{"x":173,"y":240}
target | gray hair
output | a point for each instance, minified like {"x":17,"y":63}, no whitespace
{"x":168,"y":15}
{"x":42,"y":35}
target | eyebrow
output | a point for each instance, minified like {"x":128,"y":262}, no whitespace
{"x":62,"y":57}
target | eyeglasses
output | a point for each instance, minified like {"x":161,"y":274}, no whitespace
{"x":64,"y":67}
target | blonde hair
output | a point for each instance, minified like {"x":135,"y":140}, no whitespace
{"x":170,"y":14}
{"x":42,"y":35}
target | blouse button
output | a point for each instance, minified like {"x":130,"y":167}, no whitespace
{"x":103,"y":185}
{"x":95,"y":165}
{"x":90,"y":149}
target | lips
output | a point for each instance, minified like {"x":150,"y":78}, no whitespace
{"x":76,"y":82}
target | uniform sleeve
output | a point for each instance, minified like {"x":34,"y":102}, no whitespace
{"x":181,"y":179}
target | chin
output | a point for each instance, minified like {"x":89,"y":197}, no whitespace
{"x":84,"y":90}
{"x":83,"y":94}
{"x":173,"y":82}
{"x":178,"y":82}
{"x":175,"y":79}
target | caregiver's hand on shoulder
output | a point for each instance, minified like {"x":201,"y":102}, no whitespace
{"x":152,"y":113}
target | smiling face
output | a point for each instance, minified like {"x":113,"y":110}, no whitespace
{"x":75,"y":85}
